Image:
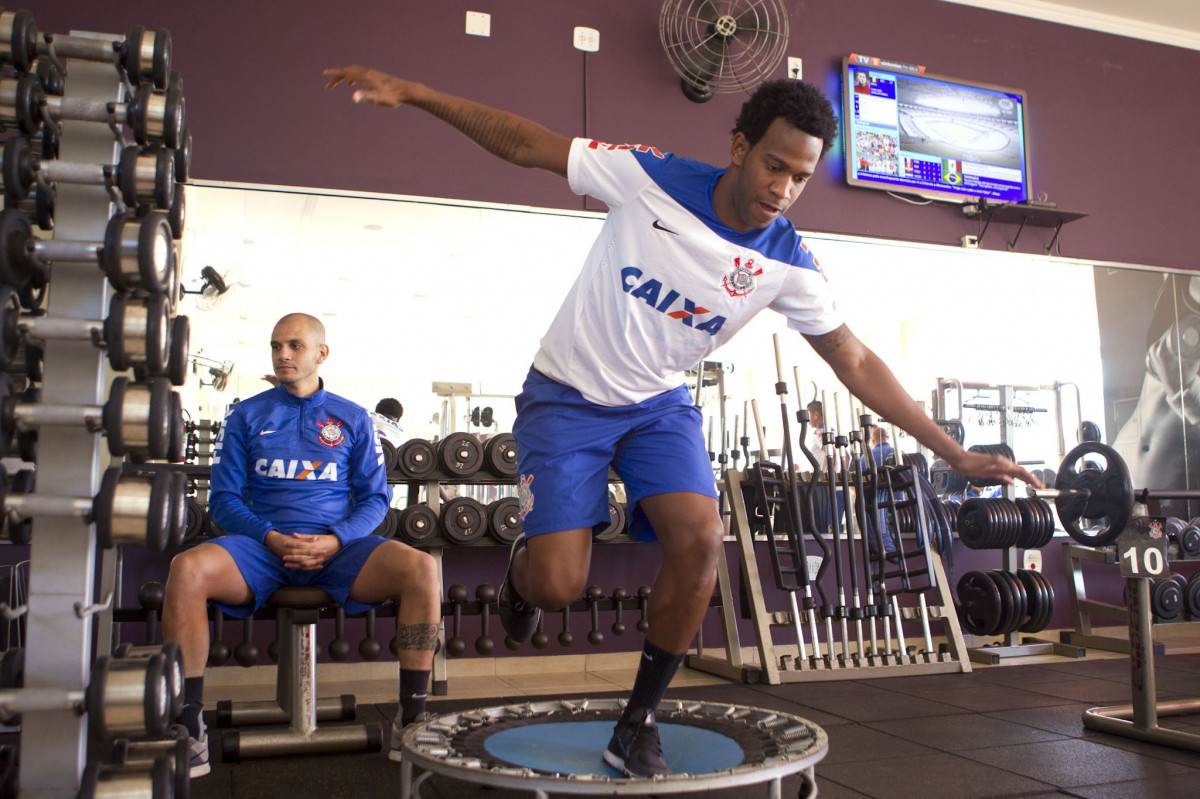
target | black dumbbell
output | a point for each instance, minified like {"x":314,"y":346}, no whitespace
{"x":153,"y":116}
{"x":486,"y":594}
{"x":20,"y":48}
{"x":136,"y":332}
{"x":455,"y":645}
{"x":143,"y":177}
{"x":130,"y":508}
{"x":136,"y":254}
{"x":135,"y":418}
{"x":143,"y":55}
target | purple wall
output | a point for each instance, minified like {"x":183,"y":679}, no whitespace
{"x":1108,"y":121}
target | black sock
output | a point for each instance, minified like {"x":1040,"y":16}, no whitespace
{"x":413,"y":685}
{"x":655,"y":671}
{"x":193,"y":704}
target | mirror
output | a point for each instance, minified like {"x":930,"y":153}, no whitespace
{"x":415,"y":291}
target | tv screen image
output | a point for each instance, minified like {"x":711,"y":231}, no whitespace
{"x":936,"y":137}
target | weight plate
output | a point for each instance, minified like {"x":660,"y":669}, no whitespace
{"x":196,"y":516}
{"x":616,"y":522}
{"x":504,"y":520}
{"x":1191,"y":597}
{"x":416,"y":525}
{"x":1165,"y":599}
{"x":1109,"y":502}
{"x":979,"y":603}
{"x":463,"y":520}
{"x":460,"y":455}
{"x":1020,"y":607}
{"x":500,"y":455}
{"x":1048,"y":598}
{"x":387,"y":527}
{"x":1035,"y":596}
{"x":415,"y":459}
{"x":389,"y":454}
{"x":1189,"y":539}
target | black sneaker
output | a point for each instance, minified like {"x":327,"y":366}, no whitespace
{"x":635,"y":749}
{"x":518,"y":617}
{"x":396,"y":750}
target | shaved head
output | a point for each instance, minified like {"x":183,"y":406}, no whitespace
{"x":297,"y":351}
{"x":314,"y":326}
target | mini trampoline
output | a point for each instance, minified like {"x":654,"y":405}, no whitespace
{"x":555,"y":747}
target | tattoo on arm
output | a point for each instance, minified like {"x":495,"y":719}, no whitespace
{"x":420,"y":637}
{"x":830,"y":342}
{"x":498,"y":133}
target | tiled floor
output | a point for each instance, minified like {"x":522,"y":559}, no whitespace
{"x":1007,"y":731}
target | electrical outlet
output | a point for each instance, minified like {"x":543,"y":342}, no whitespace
{"x":479,"y":24}
{"x":795,"y":68}
{"x":587,"y":39}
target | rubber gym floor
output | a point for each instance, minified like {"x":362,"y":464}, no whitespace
{"x":1003,"y":731}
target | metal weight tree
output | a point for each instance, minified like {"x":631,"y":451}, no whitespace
{"x":1013,"y":645}
{"x":80,"y":121}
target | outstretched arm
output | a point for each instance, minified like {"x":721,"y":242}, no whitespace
{"x":515,"y":139}
{"x":869,"y":379}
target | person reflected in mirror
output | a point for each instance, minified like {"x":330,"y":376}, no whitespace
{"x":687,"y":255}
{"x":1160,"y":438}
{"x":298,"y":485}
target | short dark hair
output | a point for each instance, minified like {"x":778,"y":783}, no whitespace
{"x":390,"y":407}
{"x":800,"y":103}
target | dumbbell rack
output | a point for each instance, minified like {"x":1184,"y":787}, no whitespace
{"x":63,"y":602}
{"x":1176,"y":636}
{"x":770,"y":667}
{"x":1013,"y":644}
{"x":63,"y":554}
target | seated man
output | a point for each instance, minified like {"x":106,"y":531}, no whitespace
{"x":298,"y":484}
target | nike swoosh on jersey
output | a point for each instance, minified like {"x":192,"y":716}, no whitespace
{"x":267,"y":432}
{"x":658,"y":226}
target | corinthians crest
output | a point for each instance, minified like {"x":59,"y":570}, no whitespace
{"x":331,"y":432}
{"x":740,"y":281}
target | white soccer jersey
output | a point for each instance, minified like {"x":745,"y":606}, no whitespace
{"x":666,"y":282}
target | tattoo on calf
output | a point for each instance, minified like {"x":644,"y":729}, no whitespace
{"x":421,"y":637}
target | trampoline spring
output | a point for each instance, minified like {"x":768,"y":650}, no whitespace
{"x":465,"y":762}
{"x":689,"y":710}
{"x":436,"y":751}
{"x":792,"y":733}
{"x":429,"y":739}
{"x":771,"y":722}
{"x":738,"y":714}
{"x":584,"y":705}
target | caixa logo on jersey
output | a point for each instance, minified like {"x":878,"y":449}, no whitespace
{"x":292,"y":469}
{"x":669,"y":302}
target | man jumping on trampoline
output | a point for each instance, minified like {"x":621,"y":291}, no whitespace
{"x":687,"y":255}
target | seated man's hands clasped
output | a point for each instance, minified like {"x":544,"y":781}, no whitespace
{"x":301,"y":552}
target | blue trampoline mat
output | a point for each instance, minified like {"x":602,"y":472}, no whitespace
{"x":576,"y":747}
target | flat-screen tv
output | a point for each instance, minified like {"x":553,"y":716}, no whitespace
{"x":941,"y":138}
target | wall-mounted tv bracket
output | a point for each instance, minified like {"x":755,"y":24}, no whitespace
{"x":1022,"y":214}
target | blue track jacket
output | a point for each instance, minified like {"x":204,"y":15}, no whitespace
{"x":298,"y":465}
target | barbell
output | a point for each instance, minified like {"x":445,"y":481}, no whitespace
{"x":1103,"y":498}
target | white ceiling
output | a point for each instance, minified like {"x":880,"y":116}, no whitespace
{"x":1174,"y":22}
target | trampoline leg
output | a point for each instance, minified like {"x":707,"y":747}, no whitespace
{"x":775,"y":788}
{"x":406,"y":770}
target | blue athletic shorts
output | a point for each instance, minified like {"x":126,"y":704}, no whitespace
{"x":565,"y":445}
{"x":264,"y":572}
